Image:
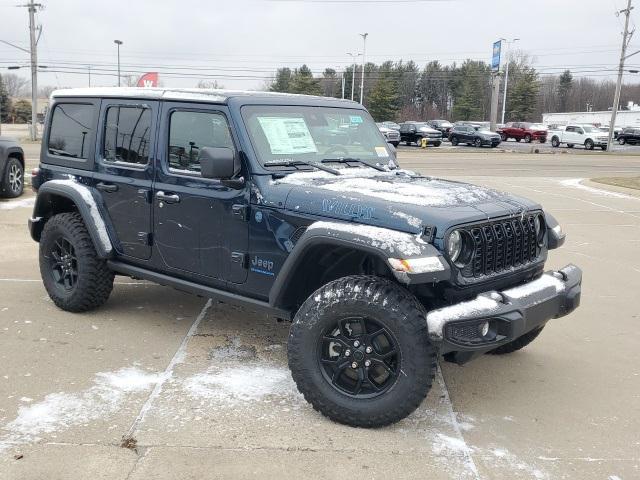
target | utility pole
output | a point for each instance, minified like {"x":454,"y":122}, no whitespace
{"x":495,"y":95}
{"x":364,"y":54}
{"x":33,"y":50}
{"x":118,"y":43}
{"x":89,"y":67}
{"x":626,"y":39}
{"x":343,"y":81}
{"x":506,"y":78}
{"x":353,"y":74}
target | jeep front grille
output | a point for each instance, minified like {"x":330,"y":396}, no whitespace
{"x":501,"y":246}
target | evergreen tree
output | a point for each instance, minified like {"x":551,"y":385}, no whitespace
{"x":331,"y":83}
{"x":304,"y":82}
{"x":383,"y":99}
{"x":523,"y":96}
{"x":5,"y":103}
{"x":282,"y":82}
{"x":564,"y":90}
{"x":470,"y":86}
{"x":22,"y":111}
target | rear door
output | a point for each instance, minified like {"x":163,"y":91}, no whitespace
{"x":200,"y":224}
{"x":124,"y":171}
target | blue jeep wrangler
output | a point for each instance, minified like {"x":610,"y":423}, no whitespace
{"x":294,"y":206}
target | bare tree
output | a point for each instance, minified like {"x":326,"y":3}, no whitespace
{"x":16,"y":86}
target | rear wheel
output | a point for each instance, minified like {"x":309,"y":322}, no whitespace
{"x":518,"y":343}
{"x":621,"y":141}
{"x":477,"y":143}
{"x":588,"y":144}
{"x":543,"y":140}
{"x":454,"y":141}
{"x":555,"y":142}
{"x":12,"y":184}
{"x":73,"y":275}
{"x":437,"y":144}
{"x":355,"y":360}
{"x":503,"y":137}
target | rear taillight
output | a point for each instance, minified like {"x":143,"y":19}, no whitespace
{"x":35,"y":180}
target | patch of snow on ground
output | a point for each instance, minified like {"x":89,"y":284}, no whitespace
{"x":577,"y":183}
{"x":437,"y":318}
{"x":445,"y":444}
{"x":392,"y":241}
{"x":60,"y":411}
{"x":542,"y":283}
{"x":242,"y":383}
{"x":12,"y":204}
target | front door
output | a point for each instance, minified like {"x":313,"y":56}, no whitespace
{"x":200,"y":225}
{"x":126,"y":143}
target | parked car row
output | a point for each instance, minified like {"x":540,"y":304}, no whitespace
{"x":434,"y":132}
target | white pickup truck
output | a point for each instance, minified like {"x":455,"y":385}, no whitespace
{"x":579,"y":134}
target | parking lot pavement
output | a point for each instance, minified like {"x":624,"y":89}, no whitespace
{"x":201,"y":389}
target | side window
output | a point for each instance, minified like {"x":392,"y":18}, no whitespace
{"x":71,"y":130}
{"x":126,"y":136}
{"x":579,"y":131}
{"x":569,"y":129}
{"x":191,"y":131}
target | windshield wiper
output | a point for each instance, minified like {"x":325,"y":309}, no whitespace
{"x":294,"y":163}
{"x":375,"y":166}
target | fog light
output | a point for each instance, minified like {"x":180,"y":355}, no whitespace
{"x":483,"y":328}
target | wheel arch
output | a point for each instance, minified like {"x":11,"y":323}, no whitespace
{"x":60,"y":196}
{"x":322,"y":255}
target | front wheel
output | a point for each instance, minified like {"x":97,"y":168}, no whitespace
{"x":454,"y":141}
{"x":621,"y":141}
{"x":73,"y":275}
{"x":527,"y":138}
{"x":603,"y":147}
{"x":355,"y":359}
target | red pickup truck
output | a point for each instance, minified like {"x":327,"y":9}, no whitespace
{"x":524,"y":131}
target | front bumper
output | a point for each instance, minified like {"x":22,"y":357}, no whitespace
{"x":457,"y":329}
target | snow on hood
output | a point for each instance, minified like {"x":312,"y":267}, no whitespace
{"x":398,"y":186}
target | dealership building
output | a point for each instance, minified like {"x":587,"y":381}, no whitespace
{"x":625,"y":118}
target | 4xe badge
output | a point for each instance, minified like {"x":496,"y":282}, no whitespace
{"x":262,"y":266}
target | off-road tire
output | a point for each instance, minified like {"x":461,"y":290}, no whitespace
{"x":94,"y":279}
{"x":518,"y":343}
{"x":392,"y":306}
{"x":10,"y":186}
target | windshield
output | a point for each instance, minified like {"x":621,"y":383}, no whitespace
{"x":312,"y":134}
{"x":589,"y":129}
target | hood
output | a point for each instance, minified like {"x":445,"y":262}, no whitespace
{"x":396,"y":199}
{"x":426,"y":129}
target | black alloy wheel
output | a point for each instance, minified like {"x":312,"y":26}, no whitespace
{"x":64,"y":264}
{"x":359,"y":357}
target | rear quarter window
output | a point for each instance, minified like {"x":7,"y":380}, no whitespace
{"x":71,"y":134}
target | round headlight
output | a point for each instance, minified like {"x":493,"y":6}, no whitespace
{"x":540,"y":229}
{"x":454,"y":245}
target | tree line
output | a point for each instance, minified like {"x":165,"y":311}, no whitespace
{"x":403,"y":91}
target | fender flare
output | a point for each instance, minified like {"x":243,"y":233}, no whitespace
{"x":6,"y":152}
{"x":87,"y":203}
{"x":379,"y":242}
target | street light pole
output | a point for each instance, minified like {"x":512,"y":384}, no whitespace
{"x":506,"y":77}
{"x":626,"y":38}
{"x":353,"y":74}
{"x":118,"y":43}
{"x":364,"y":54}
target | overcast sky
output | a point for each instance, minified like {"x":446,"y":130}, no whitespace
{"x":241,"y":42}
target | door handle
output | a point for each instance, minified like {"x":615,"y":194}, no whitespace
{"x":107,"y":187}
{"x":167,"y":197}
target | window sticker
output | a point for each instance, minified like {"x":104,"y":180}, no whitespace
{"x":382,"y":152}
{"x":287,"y":136}
{"x":356,"y":119}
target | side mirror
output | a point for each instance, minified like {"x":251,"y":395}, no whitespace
{"x":218,"y":162}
